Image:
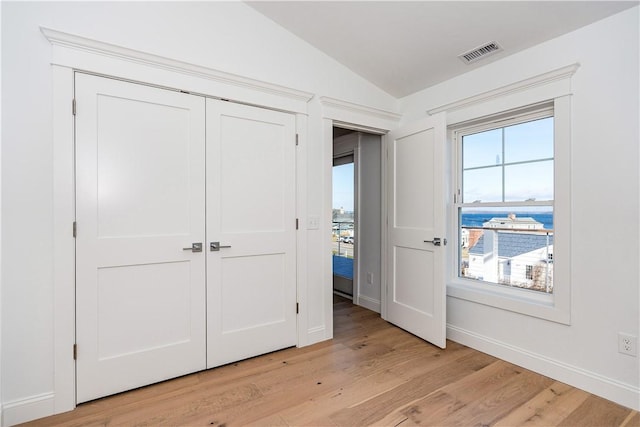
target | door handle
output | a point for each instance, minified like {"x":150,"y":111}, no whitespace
{"x":195,"y":247}
{"x":215,"y":246}
{"x":437,"y":241}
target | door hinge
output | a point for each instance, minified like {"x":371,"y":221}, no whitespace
{"x":75,"y":351}
{"x":297,"y":139}
{"x":73,"y":106}
{"x":75,"y":229}
{"x":297,"y":308}
{"x":297,"y":223}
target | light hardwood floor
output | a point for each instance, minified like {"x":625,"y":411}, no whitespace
{"x":371,"y":373}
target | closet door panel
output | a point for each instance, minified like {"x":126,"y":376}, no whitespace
{"x":251,"y":277}
{"x":140,"y":297}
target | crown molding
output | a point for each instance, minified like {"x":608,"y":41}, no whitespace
{"x":522,"y":85}
{"x":87,"y":45}
{"x":338,"y":104}
{"x":343,"y":112}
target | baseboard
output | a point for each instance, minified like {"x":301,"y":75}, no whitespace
{"x":369,"y":303}
{"x":616,"y":391}
{"x":316,"y":335}
{"x":27,"y":409}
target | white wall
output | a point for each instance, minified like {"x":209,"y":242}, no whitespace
{"x":604,"y":200}
{"x":369,"y":220}
{"x":0,"y":230}
{"x":234,"y":38}
{"x":228,"y":36}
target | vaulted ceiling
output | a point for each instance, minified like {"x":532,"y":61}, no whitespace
{"x":403,"y":47}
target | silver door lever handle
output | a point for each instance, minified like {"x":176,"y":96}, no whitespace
{"x":215,"y":246}
{"x":195,"y":247}
{"x":437,"y":241}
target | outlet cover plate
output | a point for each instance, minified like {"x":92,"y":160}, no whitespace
{"x":627,"y":344}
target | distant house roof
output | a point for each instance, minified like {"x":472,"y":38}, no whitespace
{"x":513,"y":221}
{"x":511,"y":245}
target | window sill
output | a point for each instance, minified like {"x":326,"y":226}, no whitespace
{"x":522,"y":301}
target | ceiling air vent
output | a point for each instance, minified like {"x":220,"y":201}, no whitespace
{"x":480,"y":52}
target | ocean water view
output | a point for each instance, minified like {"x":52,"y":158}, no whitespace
{"x":476,"y":219}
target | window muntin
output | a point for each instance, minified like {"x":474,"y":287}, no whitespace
{"x":505,"y":206}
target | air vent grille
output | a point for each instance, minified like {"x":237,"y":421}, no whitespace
{"x":480,"y":52}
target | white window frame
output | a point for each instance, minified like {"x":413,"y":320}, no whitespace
{"x":556,"y":306}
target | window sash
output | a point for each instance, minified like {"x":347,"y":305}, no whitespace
{"x":482,"y":125}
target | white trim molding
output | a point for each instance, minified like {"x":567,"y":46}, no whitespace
{"x":86,"y":54}
{"x":364,"y":118}
{"x":27,"y":409}
{"x":608,"y":388}
{"x":560,"y":74}
{"x":369,"y":303}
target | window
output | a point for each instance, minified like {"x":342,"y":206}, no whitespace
{"x":529,"y":272}
{"x":505,"y":200}
{"x":499,"y":181}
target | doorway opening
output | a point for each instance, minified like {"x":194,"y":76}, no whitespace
{"x":357,"y":213}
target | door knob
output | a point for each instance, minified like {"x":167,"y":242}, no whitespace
{"x":195,"y":247}
{"x":215,"y":246}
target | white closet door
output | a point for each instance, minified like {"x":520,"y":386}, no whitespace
{"x":416,"y":291}
{"x":251,"y":277}
{"x":140,"y":201}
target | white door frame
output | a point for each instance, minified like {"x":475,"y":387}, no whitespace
{"x":71,"y":53}
{"x":347,"y":115}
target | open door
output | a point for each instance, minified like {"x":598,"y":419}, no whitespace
{"x":416,"y":292}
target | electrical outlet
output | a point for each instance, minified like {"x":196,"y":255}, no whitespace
{"x":370,"y":278}
{"x":627,"y":344}
{"x":313,"y":222}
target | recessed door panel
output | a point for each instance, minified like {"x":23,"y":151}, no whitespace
{"x":255,"y":149}
{"x":157,"y":299}
{"x":413,"y":281}
{"x":414,"y":181}
{"x":143,"y":182}
{"x":254,"y":287}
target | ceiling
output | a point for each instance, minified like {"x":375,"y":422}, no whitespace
{"x":403,"y":47}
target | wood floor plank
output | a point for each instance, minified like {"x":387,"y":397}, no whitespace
{"x":632,"y":420}
{"x":363,"y":387}
{"x":596,"y":411}
{"x":478,"y":399}
{"x":374,"y":409}
{"x":371,"y":373}
{"x":549,"y":407}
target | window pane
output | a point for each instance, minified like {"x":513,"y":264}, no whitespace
{"x":529,"y":141}
{"x":508,"y":246}
{"x":529,"y":181}
{"x":482,"y":185}
{"x":482,"y":149}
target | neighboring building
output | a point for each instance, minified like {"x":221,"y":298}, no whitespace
{"x":343,"y":223}
{"x":523,"y":259}
{"x":464,"y":238}
{"x":511,"y":221}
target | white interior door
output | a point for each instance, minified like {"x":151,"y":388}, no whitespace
{"x":251,"y":276}
{"x":140,"y":200}
{"x":416,"y":293}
